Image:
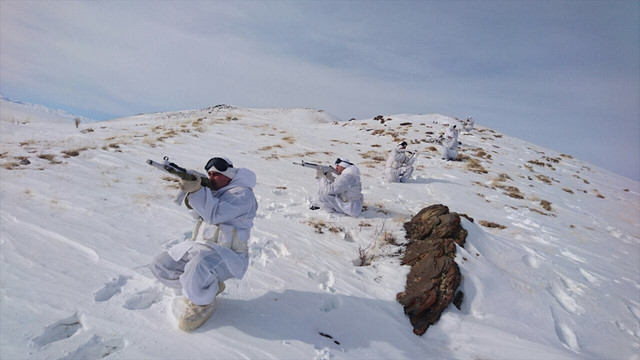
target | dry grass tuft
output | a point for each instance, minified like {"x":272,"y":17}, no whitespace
{"x":568,"y":190}
{"x":474,"y":165}
{"x":72,"y":153}
{"x":335,"y":229}
{"x":502,"y":178}
{"x":511,"y":191}
{"x":545,"y":205}
{"x":544,"y":179}
{"x":482,"y":154}
{"x":318,"y":225}
{"x":490,"y":224}
{"x":374,"y":155}
{"x":50,"y":157}
{"x":11,"y":165}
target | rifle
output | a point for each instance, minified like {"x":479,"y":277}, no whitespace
{"x":325,"y":169}
{"x":182,"y":173}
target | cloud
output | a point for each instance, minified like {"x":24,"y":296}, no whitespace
{"x":521,"y":67}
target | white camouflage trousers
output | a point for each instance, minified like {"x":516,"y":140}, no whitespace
{"x":196,"y":274}
{"x":401,"y":174}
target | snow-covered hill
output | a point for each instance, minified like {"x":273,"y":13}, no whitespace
{"x":82,"y":216}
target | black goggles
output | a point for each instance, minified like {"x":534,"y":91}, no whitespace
{"x":338,"y":161}
{"x":219,"y":164}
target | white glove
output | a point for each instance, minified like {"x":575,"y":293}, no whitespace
{"x":190,"y":185}
{"x":319,"y":173}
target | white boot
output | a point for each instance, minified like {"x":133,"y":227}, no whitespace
{"x":195,"y":315}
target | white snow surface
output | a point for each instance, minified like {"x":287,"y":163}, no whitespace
{"x":82,"y":220}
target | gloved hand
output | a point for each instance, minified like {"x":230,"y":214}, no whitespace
{"x":319,"y":173}
{"x":190,"y":185}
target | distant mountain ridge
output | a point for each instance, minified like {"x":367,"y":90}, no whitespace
{"x":43,"y":110}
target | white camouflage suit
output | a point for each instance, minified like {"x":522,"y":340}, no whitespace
{"x":220,"y":250}
{"x":344,"y":194}
{"x":399,"y":166}
{"x":468,"y":124}
{"x":450,"y":144}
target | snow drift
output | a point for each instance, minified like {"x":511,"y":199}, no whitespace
{"x":550,"y":267}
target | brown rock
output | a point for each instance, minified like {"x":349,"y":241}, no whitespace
{"x":434,"y":277}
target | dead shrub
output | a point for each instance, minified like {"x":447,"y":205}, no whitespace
{"x":87,"y":130}
{"x":568,"y":190}
{"x":545,"y":205}
{"x":289,"y":139}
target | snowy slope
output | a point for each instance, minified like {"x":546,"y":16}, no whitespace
{"x":83,"y":219}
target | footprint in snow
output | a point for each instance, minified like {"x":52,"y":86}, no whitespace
{"x":533,"y":258}
{"x":272,"y":208}
{"x":323,"y":353}
{"x":142,"y":299}
{"x":59,"y":330}
{"x":568,"y":254}
{"x":111,"y":288}
{"x":565,"y":300}
{"x":614,"y":232}
{"x":96,"y":348}
{"x":592,"y":279}
{"x":331,"y":303}
{"x":262,"y":253}
{"x":531,"y":261}
{"x":565,"y":334}
{"x":325,"y":280}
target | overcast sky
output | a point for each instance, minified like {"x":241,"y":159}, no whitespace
{"x":564,"y":75}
